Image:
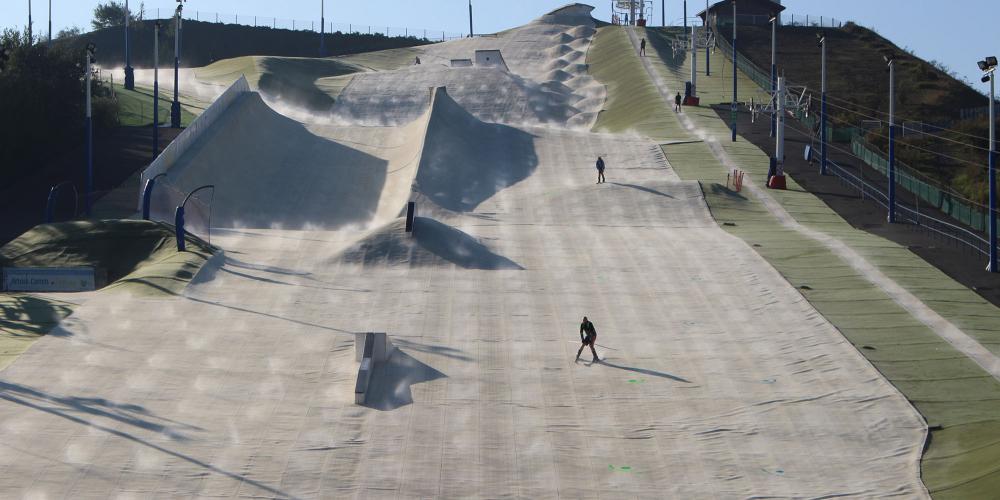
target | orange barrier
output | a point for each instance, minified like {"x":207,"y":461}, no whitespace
{"x":736,"y":178}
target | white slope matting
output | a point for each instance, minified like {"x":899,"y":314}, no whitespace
{"x":718,"y":379}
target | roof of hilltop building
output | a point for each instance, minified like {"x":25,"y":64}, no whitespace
{"x":747,"y":11}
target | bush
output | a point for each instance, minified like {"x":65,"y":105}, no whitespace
{"x":46,"y":117}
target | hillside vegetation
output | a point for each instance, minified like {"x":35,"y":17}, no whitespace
{"x":205,"y":43}
{"x":858,"y":89}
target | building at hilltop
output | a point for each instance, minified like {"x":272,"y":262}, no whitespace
{"x":755,"y":12}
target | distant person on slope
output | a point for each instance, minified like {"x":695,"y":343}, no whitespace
{"x":642,"y":47}
{"x":600,"y":170}
{"x":677,"y":103}
{"x":588,"y":335}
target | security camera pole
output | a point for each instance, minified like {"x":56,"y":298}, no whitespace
{"x":129,"y":72}
{"x":891,"y":61}
{"x":88,"y":125}
{"x":989,"y":66}
{"x":156,"y":89}
{"x":175,"y":107}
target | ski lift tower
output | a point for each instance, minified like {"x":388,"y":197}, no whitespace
{"x":636,"y":11}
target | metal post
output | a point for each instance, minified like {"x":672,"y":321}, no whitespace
{"x":156,"y":89}
{"x":663,"y":12}
{"x":779,"y":136}
{"x":471,"y":33}
{"x":129,"y":72}
{"x":892,"y":141}
{"x":631,"y":10}
{"x":88,"y":124}
{"x":685,"y":16}
{"x":822,"y":117}
{"x":31,"y":40}
{"x":175,"y":107}
{"x":50,"y":23}
{"x":993,"y":175}
{"x":735,"y":84}
{"x":322,"y":28}
{"x":708,"y":49}
{"x":694,"y":62}
{"x":774,"y":70}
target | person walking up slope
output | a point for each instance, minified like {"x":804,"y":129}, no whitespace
{"x":677,"y":103}
{"x":600,"y":170}
{"x":588,"y":336}
{"x":642,"y":47}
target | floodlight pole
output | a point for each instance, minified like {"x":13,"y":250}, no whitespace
{"x":129,"y":71}
{"x":822,"y":109}
{"x":663,"y":12}
{"x":708,"y":49}
{"x":156,"y":89}
{"x":774,"y":70}
{"x":322,"y":28}
{"x":175,"y":107}
{"x":31,"y":40}
{"x":471,"y":32}
{"x":892,"y":141}
{"x":685,"y":16}
{"x":89,"y":126}
{"x":993,"y":175}
{"x":735,"y":81}
{"x":50,"y":24}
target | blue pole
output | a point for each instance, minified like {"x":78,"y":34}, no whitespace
{"x":822,"y":120}
{"x":129,"y":72}
{"x":735,"y":84}
{"x":774,"y":75}
{"x":156,"y":90}
{"x":708,"y":49}
{"x":322,"y":28}
{"x":179,"y":228}
{"x":993,"y":212}
{"x":88,"y":125}
{"x":993,"y":175}
{"x":892,"y":142}
{"x":175,"y":107}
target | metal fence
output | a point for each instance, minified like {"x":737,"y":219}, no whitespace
{"x":303,"y":24}
{"x":910,"y":213}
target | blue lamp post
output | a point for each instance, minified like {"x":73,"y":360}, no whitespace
{"x":175,"y":107}
{"x":989,"y":66}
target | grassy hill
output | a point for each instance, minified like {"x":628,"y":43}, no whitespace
{"x":858,"y":89}
{"x":205,"y":43}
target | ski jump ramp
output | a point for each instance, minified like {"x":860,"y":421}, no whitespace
{"x":717,"y":379}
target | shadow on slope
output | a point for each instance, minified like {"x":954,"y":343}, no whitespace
{"x":431,"y":244}
{"x":271,"y":171}
{"x":293,"y":80}
{"x":392,"y":380}
{"x":466,"y":161}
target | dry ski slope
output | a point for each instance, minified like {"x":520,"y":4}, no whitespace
{"x":718,"y":380}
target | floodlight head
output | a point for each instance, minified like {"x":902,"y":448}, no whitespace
{"x":773,"y":17}
{"x":991,"y":61}
{"x":888,"y":57}
{"x":820,"y":39}
{"x":91,"y":48}
{"x":982,"y":65}
{"x":986,"y":78}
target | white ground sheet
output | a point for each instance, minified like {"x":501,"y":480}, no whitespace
{"x":717,"y":379}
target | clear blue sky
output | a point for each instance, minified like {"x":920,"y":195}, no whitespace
{"x":958,"y":39}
